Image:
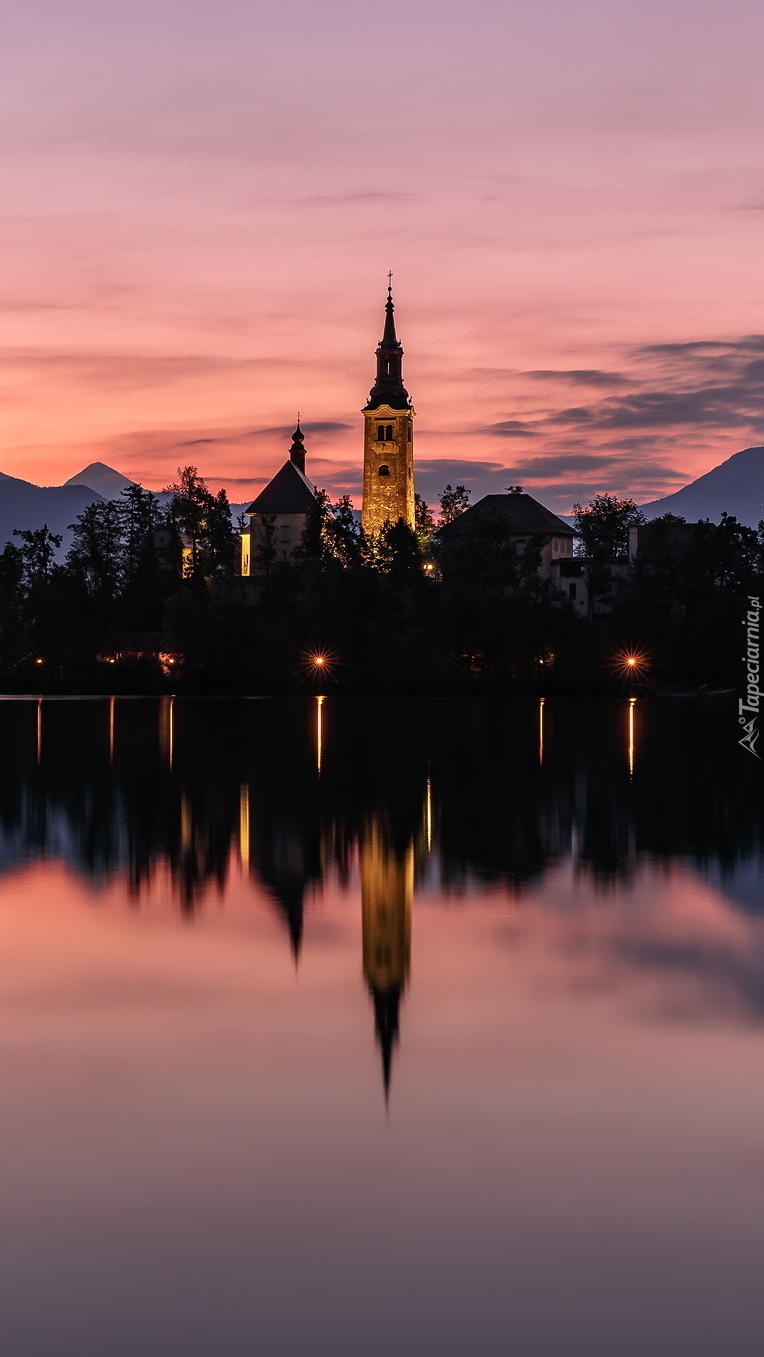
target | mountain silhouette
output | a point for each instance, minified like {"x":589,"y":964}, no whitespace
{"x":735,"y":487}
{"x":107,"y":482}
{"x":24,"y":506}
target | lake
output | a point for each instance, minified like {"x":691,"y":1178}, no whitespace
{"x":370,"y":1026}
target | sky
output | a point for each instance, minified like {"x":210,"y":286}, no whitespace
{"x":201,"y":203}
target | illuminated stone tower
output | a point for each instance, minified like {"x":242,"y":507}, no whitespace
{"x":387,"y":887}
{"x":388,"y":448}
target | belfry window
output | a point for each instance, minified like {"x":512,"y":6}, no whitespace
{"x":384,"y":471}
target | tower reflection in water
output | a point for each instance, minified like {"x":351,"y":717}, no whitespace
{"x":299,"y":792}
{"x":387,"y":890}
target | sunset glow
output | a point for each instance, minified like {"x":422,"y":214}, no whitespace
{"x":201,"y":211}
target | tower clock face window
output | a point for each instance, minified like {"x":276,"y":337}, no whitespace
{"x":384,"y":471}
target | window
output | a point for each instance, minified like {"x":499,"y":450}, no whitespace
{"x":572,"y":592}
{"x":384,"y":471}
{"x":555,"y":546}
{"x":389,"y":433}
{"x":380,"y":433}
{"x":408,"y":431}
{"x":286,"y":532}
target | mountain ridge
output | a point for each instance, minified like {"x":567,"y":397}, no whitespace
{"x":735,"y":486}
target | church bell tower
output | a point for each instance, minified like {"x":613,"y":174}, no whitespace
{"x":388,"y":448}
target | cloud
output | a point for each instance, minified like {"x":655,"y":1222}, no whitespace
{"x":510,"y":428}
{"x":554,"y":464}
{"x":580,"y":376}
{"x":451,"y":466}
{"x":129,"y":371}
{"x":280,"y":431}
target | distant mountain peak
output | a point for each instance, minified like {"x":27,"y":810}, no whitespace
{"x":736,"y":487}
{"x":102,"y":478}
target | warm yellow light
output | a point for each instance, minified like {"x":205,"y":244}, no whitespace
{"x":319,"y":661}
{"x":39,"y":661}
{"x":631,"y":662}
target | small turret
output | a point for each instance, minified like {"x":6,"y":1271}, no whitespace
{"x":297,"y":450}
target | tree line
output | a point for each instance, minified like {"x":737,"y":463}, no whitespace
{"x":395,"y":613}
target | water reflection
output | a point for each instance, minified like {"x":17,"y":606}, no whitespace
{"x":230,"y":928}
{"x":387,"y":888}
{"x":466,"y":796}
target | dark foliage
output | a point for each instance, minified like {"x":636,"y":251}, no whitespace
{"x":149,"y":600}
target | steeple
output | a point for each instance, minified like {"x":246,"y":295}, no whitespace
{"x":388,"y":389}
{"x":297,"y":450}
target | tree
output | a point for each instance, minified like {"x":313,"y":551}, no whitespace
{"x":264,"y":541}
{"x":314,"y":548}
{"x":603,"y":526}
{"x":38,"y":553}
{"x":343,"y":532}
{"x":205,"y":521}
{"x":399,"y":554}
{"x":139,"y":518}
{"x":144,"y":582}
{"x":95,"y":554}
{"x":14,"y":642}
{"x":453,"y":501}
{"x":221,"y":540}
{"x":424,"y":518}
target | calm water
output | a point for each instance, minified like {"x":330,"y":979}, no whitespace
{"x":380,"y":1027}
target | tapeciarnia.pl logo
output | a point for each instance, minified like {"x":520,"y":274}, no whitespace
{"x":748,"y":707}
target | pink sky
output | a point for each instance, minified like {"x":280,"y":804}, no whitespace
{"x":201,"y":202}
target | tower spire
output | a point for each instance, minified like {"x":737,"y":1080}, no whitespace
{"x":388,"y":389}
{"x":297,"y":450}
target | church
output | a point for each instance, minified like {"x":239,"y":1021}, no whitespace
{"x":277,"y":515}
{"x":517,"y":520}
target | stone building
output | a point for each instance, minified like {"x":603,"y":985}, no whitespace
{"x":502,"y":529}
{"x":388,"y":449}
{"x":277,"y":515}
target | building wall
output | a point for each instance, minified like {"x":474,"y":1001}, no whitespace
{"x":287,"y":535}
{"x":386,"y":498}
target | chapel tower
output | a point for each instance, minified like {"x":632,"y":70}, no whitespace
{"x":388,"y":447}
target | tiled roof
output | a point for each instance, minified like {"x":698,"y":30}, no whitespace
{"x":290,"y":492}
{"x":519,"y":515}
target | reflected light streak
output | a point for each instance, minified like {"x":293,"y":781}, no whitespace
{"x":632,"y":701}
{"x":111,"y":729}
{"x":244,"y":825}
{"x":541,"y":730}
{"x":428,"y":815}
{"x":39,"y":729}
{"x":319,"y":733}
